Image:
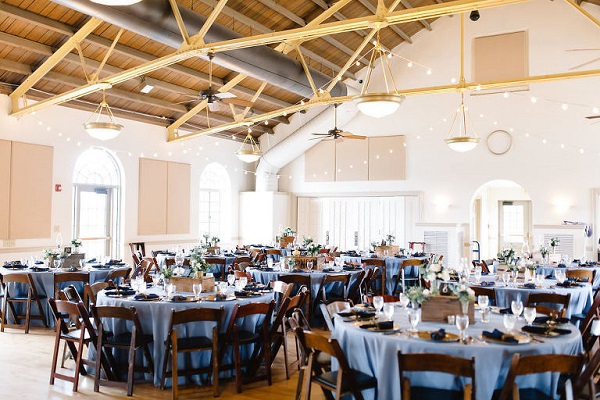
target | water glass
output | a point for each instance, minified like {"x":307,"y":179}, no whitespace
{"x":231,"y":279}
{"x":414,"y":317}
{"x":223,"y":288}
{"x":485,"y":314}
{"x":169,"y":290}
{"x":509,"y":321}
{"x":244,"y":281}
{"x":378,"y":303}
{"x":56,"y":264}
{"x":197,"y":288}
{"x":478,"y":274}
{"x":505,"y":278}
{"x":516,"y":307}
{"x":483,"y":301}
{"x":529,"y":313}
{"x":515,"y":274}
{"x":155,"y":279}
{"x":309,"y":265}
{"x":179,"y":258}
{"x":462,"y":323}
{"x":404,"y":300}
{"x":270,"y":262}
{"x":388,"y":310}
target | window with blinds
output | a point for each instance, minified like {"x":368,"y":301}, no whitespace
{"x":436,"y":242}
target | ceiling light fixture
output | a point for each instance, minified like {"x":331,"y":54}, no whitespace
{"x":249,"y":150}
{"x":378,"y":104}
{"x":116,"y":2}
{"x":146,"y":88}
{"x":103,"y":130}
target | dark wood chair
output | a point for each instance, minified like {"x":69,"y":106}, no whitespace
{"x":298,"y":281}
{"x":585,"y":323}
{"x":243,"y":274}
{"x":218,"y":267}
{"x":64,"y":279}
{"x":90,"y":291}
{"x":485,"y":291}
{"x":325,"y":295}
{"x":238,"y":335}
{"x":132,"y":341}
{"x":484,"y":267}
{"x":581,"y":275}
{"x":190,"y":344}
{"x":14,"y":287}
{"x":138,"y":247}
{"x":432,"y":362}
{"x":76,"y":340}
{"x":411,"y":281}
{"x":241,"y":263}
{"x":275,"y":254}
{"x":341,"y":382}
{"x":281,"y":291}
{"x":146,"y":267}
{"x":378,"y":277}
{"x":568,"y":365}
{"x":118,"y":275}
{"x":329,"y":309}
{"x":355,"y":287}
{"x":588,"y":378}
{"x":549,"y":303}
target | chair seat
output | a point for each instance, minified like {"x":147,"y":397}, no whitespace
{"x":526,"y":394}
{"x":426,"y":393}
{"x":124,"y":339}
{"x":75,"y":335}
{"x":24,"y":298}
{"x":324,"y":359}
{"x":361,"y":380}
{"x":194,"y":342}
{"x":248,"y":337}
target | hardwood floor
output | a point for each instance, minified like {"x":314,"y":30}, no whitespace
{"x":25,"y":361}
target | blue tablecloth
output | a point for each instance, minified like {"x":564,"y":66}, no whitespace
{"x":376,"y":354}
{"x":155,"y":316}
{"x":549,"y":270}
{"x":44,"y":284}
{"x":392,"y":268}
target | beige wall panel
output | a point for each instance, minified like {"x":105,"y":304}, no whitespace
{"x":178,"y":198}
{"x":351,"y":160}
{"x":387,"y":158}
{"x":30,"y":191}
{"x":499,"y":57}
{"x":5,"y":146}
{"x":319,"y":162}
{"x":152,"y":197}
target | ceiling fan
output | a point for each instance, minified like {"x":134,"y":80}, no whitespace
{"x":215,"y":97}
{"x":336,"y":134}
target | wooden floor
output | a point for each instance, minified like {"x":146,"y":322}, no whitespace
{"x":25,"y":362}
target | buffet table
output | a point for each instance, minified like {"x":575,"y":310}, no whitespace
{"x":375,"y":353}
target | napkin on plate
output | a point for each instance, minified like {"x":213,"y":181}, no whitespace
{"x":544,"y":319}
{"x":178,"y":297}
{"x":542,"y":330}
{"x":384,"y":325}
{"x":499,"y":335}
{"x":490,"y":283}
{"x":438,"y":335}
{"x":144,"y":296}
{"x":529,"y":285}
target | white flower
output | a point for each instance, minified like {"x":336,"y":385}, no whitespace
{"x":426,"y":292}
{"x":178,"y":271}
{"x":435,"y":267}
{"x":431,"y":277}
{"x":445,"y":275}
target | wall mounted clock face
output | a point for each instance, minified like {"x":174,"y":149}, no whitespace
{"x":499,"y":142}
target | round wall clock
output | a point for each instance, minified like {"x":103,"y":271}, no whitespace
{"x":499,"y":142}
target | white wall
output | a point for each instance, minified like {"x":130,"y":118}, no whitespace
{"x":62,"y":128}
{"x":550,"y":174}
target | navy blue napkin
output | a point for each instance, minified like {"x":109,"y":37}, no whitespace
{"x":439,"y":335}
{"x":490,"y":283}
{"x":542,"y":330}
{"x":144,"y":296}
{"x":529,"y":285}
{"x":499,"y":335}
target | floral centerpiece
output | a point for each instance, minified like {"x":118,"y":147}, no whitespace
{"x":507,"y":256}
{"x":51,"y":254}
{"x":312,"y":249}
{"x":197,"y":263}
{"x":215,"y":241}
{"x":288,"y":232}
{"x":465,"y":295}
{"x":388,"y":240}
{"x":544,"y":251}
{"x":554,"y":242}
{"x":77,"y":244}
{"x":434,"y":273}
{"x":306,"y":240}
{"x":417,"y":295}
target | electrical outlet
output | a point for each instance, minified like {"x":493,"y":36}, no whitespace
{"x":8,"y":243}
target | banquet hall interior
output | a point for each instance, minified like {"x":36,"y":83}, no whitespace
{"x":414,"y":163}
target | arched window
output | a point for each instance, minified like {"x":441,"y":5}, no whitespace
{"x":215,"y":201}
{"x":96,"y":212}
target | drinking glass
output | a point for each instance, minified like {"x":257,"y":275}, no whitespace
{"x":477,"y":274}
{"x":141,"y":284}
{"x":169,"y":290}
{"x":483,"y":301}
{"x":516,"y":307}
{"x":244,"y":281}
{"x":270,"y":262}
{"x":462,"y":323}
{"x":239,"y":286}
{"x":309,"y":266}
{"x":56,"y":264}
{"x":378,"y":303}
{"x":414,"y":316}
{"x":231,"y":279}
{"x":197,"y":288}
{"x":155,"y":279}
{"x":388,"y":310}
{"x":223,"y":287}
{"x":529,"y":313}
{"x":514,"y":274}
{"x":404,"y":300}
{"x":509,"y":321}
{"x":505,"y":278}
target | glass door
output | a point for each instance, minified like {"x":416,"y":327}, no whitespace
{"x":514,"y":225}
{"x":94,"y":222}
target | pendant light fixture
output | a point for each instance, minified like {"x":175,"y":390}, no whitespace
{"x":249,"y":150}
{"x":461,"y":141}
{"x":103,"y":130}
{"x":378,"y":104}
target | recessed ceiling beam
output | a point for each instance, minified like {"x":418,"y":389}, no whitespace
{"x":423,"y":22}
{"x":395,"y":29}
{"x":584,"y":12}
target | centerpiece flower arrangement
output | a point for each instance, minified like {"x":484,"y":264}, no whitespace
{"x":288,"y":232}
{"x":215,"y":241}
{"x":388,"y":240}
{"x":197,"y":263}
{"x":417,"y":295}
{"x":312,"y":248}
{"x":306,"y":240}
{"x":544,"y":251}
{"x":206,"y":243}
{"x":507,"y":256}
{"x":77,"y":244}
{"x":433,"y":273}
{"x":554,"y":242}
{"x":465,"y":295}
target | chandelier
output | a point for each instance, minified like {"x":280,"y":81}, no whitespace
{"x":103,"y":130}
{"x":249,"y":150}
{"x":462,"y":142}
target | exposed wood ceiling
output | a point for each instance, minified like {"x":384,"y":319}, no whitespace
{"x":32,"y":30}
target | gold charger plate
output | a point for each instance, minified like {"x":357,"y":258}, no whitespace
{"x":426,"y":335}
{"x":522,"y":338}
{"x":214,"y":298}
{"x":395,"y":328}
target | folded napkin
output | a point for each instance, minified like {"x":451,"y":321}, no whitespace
{"x":568,"y":284}
{"x":551,"y":276}
{"x":543,"y":320}
{"x":487,"y":283}
{"x":499,"y":335}
{"x":400,"y":256}
{"x":484,"y":273}
{"x":178,"y":297}
{"x":39,"y":263}
{"x":529,"y":285}
{"x":115,"y":262}
{"x":505,"y":311}
{"x":384,"y":325}
{"x":365,"y":314}
{"x":91,"y":260}
{"x":267,"y":269}
{"x":242,"y":293}
{"x":146,"y":296}
{"x":542,"y":330}
{"x":328,"y":270}
{"x":345,"y":314}
{"x":438,"y":335}
{"x":367,"y":326}
{"x":561,"y":266}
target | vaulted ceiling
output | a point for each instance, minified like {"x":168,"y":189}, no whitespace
{"x":34,"y":31}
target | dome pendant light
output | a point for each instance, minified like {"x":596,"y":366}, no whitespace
{"x":249,"y":150}
{"x":103,"y":130}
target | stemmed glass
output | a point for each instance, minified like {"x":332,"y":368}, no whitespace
{"x":169,"y":290}
{"x":483,"y":302}
{"x":515,"y":274}
{"x":378,"y":303}
{"x":155,"y":279}
{"x":231,"y":279}
{"x":197,"y":288}
{"x":388,"y":310}
{"x":56,"y":264}
{"x":462,"y":323}
{"x":309,"y":266}
{"x":505,"y":278}
{"x":404,"y":300}
{"x":529,"y":313}
{"x":509,"y":321}
{"x":179,"y":258}
{"x":516,"y":307}
{"x":478,"y":274}
{"x":414,"y":316}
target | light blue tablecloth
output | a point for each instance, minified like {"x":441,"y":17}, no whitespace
{"x":155,"y":316}
{"x":392,"y":268}
{"x":376,"y":354}
{"x":549,"y":270}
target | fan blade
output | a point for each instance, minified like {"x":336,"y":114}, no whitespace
{"x":237,"y":102}
{"x":593,"y":116}
{"x":320,"y":134}
{"x":348,"y":135}
{"x":317,"y":138}
{"x":225,"y":95}
{"x":214,"y":106}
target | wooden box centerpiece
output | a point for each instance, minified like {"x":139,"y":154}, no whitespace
{"x":438,"y":308}
{"x":185,"y":284}
{"x":392,"y":250}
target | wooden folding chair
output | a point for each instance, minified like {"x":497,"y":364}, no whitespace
{"x":485,"y":291}
{"x":64,"y":279}
{"x":581,"y":275}
{"x":399,"y":285}
{"x":13,"y":286}
{"x":219,"y":267}
{"x":549,"y":303}
{"x":377,"y":276}
{"x":119,"y":275}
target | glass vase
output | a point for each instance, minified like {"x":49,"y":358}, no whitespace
{"x":464,"y":306}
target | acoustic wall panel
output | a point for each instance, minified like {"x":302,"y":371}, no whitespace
{"x":351,"y":160}
{"x":30,"y":191}
{"x":319,"y":162}
{"x":499,"y":57}
{"x":178,"y":198}
{"x":152,"y":197}
{"x":5,"y":150}
{"x":387,"y":158}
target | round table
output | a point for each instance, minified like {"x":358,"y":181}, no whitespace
{"x":376,"y":354}
{"x":549,"y":270}
{"x":155,"y":316}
